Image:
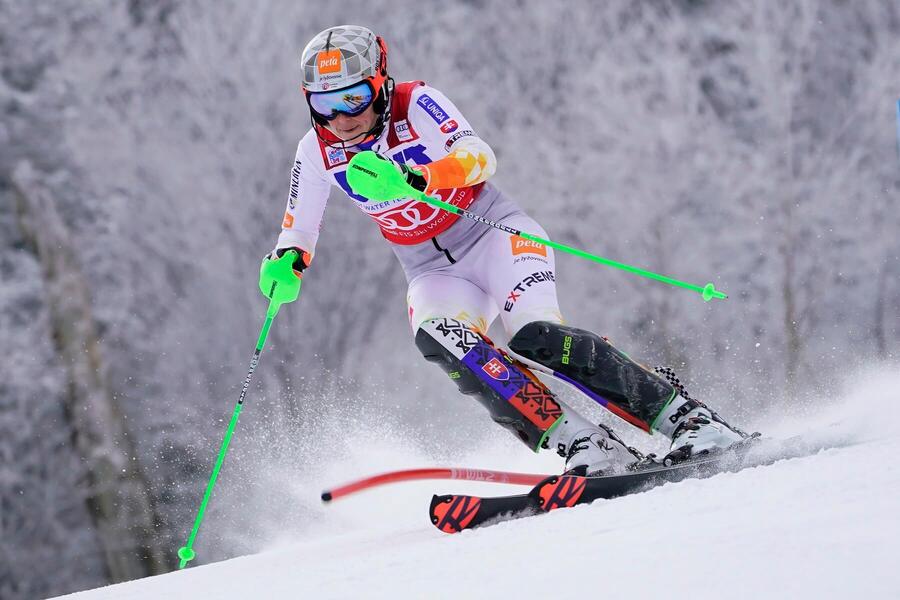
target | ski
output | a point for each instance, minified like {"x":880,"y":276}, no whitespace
{"x":462,"y":473}
{"x":453,"y":513}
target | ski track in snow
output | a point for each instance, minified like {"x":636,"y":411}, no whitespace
{"x":823,"y":526}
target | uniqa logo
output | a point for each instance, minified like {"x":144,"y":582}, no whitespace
{"x":432,"y":108}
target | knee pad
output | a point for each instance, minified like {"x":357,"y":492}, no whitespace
{"x":513,"y":396}
{"x":593,"y":365}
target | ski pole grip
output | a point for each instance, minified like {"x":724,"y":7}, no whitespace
{"x":378,"y":179}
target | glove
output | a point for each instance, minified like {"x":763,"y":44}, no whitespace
{"x":280,"y":273}
{"x":413,"y":177}
{"x":301,"y":261}
{"x":379,"y":178}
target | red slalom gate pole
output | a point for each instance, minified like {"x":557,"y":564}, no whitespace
{"x":483,"y":475}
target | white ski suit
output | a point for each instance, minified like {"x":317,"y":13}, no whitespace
{"x":455,"y":267}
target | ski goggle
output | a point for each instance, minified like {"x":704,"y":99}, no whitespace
{"x":349,"y":101}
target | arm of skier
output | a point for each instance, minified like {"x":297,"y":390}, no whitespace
{"x":307,"y":198}
{"x":469,"y":159}
{"x":470,"y":162}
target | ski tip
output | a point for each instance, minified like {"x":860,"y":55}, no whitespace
{"x":326,"y":496}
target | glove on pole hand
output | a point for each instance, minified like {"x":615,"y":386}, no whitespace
{"x":412,"y":177}
{"x":379,"y":178}
{"x":280,"y":274}
{"x":415,"y":179}
{"x":279,"y":280}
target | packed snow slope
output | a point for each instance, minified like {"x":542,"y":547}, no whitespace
{"x":822,"y":526}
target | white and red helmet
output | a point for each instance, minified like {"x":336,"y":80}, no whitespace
{"x":344,"y":56}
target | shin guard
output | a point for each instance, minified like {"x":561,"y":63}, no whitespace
{"x":514,"y":397}
{"x":593,"y":365}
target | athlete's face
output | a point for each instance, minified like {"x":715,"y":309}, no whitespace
{"x":350,"y":128}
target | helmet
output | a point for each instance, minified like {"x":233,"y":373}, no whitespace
{"x":341,"y":57}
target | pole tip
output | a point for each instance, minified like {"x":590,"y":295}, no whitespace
{"x":326,"y":496}
{"x":709,"y":292}
{"x":186,"y":555}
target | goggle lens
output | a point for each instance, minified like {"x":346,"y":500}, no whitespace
{"x":349,"y":101}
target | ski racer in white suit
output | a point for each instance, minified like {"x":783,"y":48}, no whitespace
{"x":463,"y":275}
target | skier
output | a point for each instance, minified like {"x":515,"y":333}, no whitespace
{"x":462,"y":275}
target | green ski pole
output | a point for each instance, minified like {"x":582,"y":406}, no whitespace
{"x":281,"y":289}
{"x":373,"y":177}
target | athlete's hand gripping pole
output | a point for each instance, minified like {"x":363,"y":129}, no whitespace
{"x":376,"y":178}
{"x":280,"y":284}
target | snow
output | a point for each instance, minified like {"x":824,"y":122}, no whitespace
{"x":822,"y":526}
{"x":747,"y":143}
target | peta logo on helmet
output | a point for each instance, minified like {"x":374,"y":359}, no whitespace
{"x":496,"y":369}
{"x":432,"y":108}
{"x":450,"y":126}
{"x":329,"y":62}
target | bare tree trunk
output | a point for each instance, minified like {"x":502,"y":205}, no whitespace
{"x":118,"y":497}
